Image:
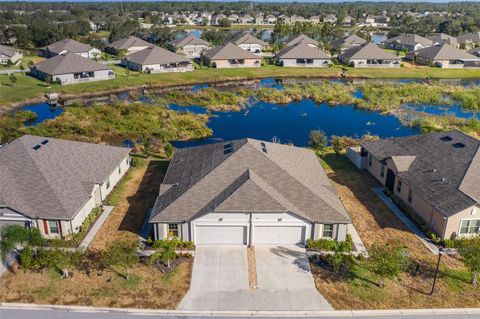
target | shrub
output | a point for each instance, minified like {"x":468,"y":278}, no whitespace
{"x":387,"y":261}
{"x":26,"y":258}
{"x":318,"y":140}
{"x":329,"y":245}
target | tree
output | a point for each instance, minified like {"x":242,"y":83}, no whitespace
{"x":12,"y":78}
{"x":166,"y":251}
{"x":337,"y":144}
{"x":121,"y":254}
{"x":14,"y":235}
{"x":470,"y":254}
{"x":318,"y":140}
{"x":387,"y":261}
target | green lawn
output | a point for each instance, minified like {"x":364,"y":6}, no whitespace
{"x":28,"y":88}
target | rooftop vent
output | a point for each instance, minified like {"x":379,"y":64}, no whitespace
{"x":44,"y":142}
{"x":446,"y":138}
{"x":264,"y":147}
{"x":458,"y":145}
{"x":36,"y":147}
{"x":227,"y":148}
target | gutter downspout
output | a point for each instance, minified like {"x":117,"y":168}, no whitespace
{"x":250,"y":226}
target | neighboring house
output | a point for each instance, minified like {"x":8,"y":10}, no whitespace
{"x":303,"y":39}
{"x":230,"y":56}
{"x":445,"y":56}
{"x":129,"y":45}
{"x":9,"y":55}
{"x":233,"y":18}
{"x":314,"y":19}
{"x":347,"y":21}
{"x":72,"y":46}
{"x":217,"y":18}
{"x":475,"y":51}
{"x":250,"y":43}
{"x":408,"y":42}
{"x":374,"y":21}
{"x":271,"y":19}
{"x":247,"y":192}
{"x":259,"y":19}
{"x":157,"y":60}
{"x":442,"y":38}
{"x":435,"y":175}
{"x":369,"y":56}
{"x":70,"y":68}
{"x":302,"y":55}
{"x":191,"y":46}
{"x":54,"y":184}
{"x":330,"y":19}
{"x":348,"y":42}
{"x":247,"y":19}
{"x":296,"y":18}
{"x":469,"y":40}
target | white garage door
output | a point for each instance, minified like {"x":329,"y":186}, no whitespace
{"x":279,"y":235}
{"x":220,"y":235}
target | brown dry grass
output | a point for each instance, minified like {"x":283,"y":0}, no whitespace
{"x":148,"y":288}
{"x":252,"y":268}
{"x":377,"y":224}
{"x":138,"y":196}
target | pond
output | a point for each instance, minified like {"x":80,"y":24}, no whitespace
{"x":44,"y":111}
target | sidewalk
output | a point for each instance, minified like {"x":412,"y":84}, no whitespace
{"x":96,"y":227}
{"x":407,"y":221}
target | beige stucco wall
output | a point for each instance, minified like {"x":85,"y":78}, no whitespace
{"x":249,"y":63}
{"x":454,"y":222}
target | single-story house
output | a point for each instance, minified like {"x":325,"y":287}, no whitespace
{"x":72,"y":46}
{"x":469,"y":39}
{"x":442,"y":38}
{"x":54,"y":184}
{"x":369,"y":55}
{"x":157,"y":60}
{"x":191,"y":46}
{"x":247,"y":192}
{"x":70,"y":68}
{"x":230,"y":56}
{"x":129,"y":45}
{"x":330,"y":18}
{"x":445,"y":56}
{"x":271,"y":19}
{"x":348,"y":42}
{"x":250,"y":43}
{"x":217,"y":19}
{"x":9,"y":55}
{"x":408,"y":42}
{"x":437,"y":176}
{"x":302,"y":38}
{"x":302,"y":55}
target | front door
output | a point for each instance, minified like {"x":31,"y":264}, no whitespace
{"x":390,"y":183}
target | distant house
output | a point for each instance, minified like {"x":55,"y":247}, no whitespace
{"x":250,"y":43}
{"x":218,"y":18}
{"x":191,"y":46}
{"x":445,"y":56}
{"x":230,"y":56}
{"x":296,"y":18}
{"x":157,"y":60}
{"x":302,"y":55}
{"x":247,"y":192}
{"x":442,"y":38}
{"x":9,"y":55}
{"x":72,"y":46}
{"x":469,"y":40}
{"x":348,"y":42}
{"x":271,"y":19}
{"x":247,"y":19}
{"x":233,"y":18}
{"x":259,"y":19}
{"x":374,"y":21}
{"x":408,"y":42}
{"x":369,"y":55}
{"x":347,"y":21}
{"x":54,"y":184}
{"x":475,"y":51}
{"x":435,"y":175}
{"x":330,"y":18}
{"x":303,"y":39}
{"x":70,"y":68}
{"x":314,"y":19}
{"x":129,"y":45}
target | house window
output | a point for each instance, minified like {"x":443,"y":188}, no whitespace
{"x":119,"y":170}
{"x":410,"y":196}
{"x":53,"y":226}
{"x":328,"y":230}
{"x":172,"y":230}
{"x":369,"y":159}
{"x":127,"y":160}
{"x":108,"y":183}
{"x":470,"y":226}
{"x":382,"y":172}
{"x":399,"y":186}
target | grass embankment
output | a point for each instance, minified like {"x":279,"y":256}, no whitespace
{"x":27,"y":88}
{"x":357,"y":289}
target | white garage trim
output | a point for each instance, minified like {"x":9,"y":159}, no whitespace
{"x":221,"y":234}
{"x":279,"y":234}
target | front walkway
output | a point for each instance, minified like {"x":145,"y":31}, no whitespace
{"x":407,"y":221}
{"x":220,"y":280}
{"x":96,"y":227}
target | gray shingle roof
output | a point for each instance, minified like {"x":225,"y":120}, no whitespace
{"x":155,"y":55}
{"x":349,"y":41}
{"x":473,"y":37}
{"x":68,"y":45}
{"x":302,"y":38}
{"x":56,"y":180}
{"x":445,"y":176}
{"x":190,"y":39}
{"x":129,"y":42}
{"x":301,"y":51}
{"x":369,"y":51}
{"x":443,"y":38}
{"x":410,"y":39}
{"x":7,"y":51}
{"x":249,"y":39}
{"x":69,"y":63}
{"x":282,"y":178}
{"x":445,"y":52}
{"x":228,"y":51}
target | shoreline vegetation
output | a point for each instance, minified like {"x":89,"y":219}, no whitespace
{"x":30,"y":90}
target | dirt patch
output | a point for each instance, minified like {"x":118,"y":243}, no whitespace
{"x":252,"y":268}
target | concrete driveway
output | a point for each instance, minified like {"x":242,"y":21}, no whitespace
{"x":220,"y":280}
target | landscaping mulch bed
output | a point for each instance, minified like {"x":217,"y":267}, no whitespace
{"x":252,"y":268}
